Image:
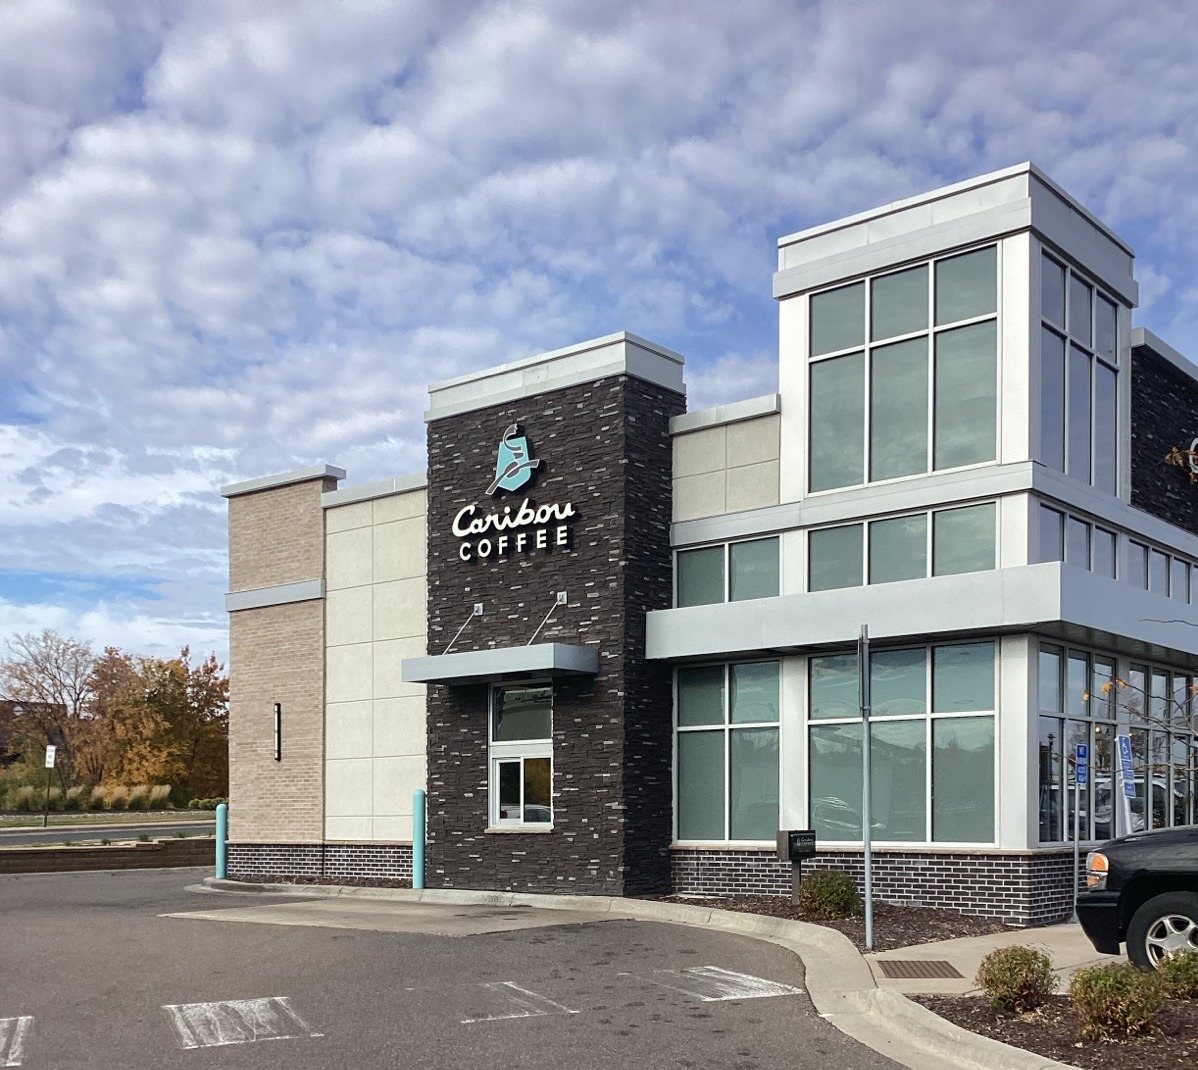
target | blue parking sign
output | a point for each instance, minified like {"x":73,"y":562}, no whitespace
{"x":1127,"y":775}
{"x":1081,"y":766}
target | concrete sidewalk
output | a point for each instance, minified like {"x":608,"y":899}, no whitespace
{"x":839,"y":979}
{"x":1066,"y":944}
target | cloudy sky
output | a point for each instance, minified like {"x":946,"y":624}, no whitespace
{"x":241,"y":237}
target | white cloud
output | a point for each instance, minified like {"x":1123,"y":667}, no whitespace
{"x":239,"y":238}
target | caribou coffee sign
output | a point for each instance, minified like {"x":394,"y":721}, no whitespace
{"x":1187,"y":460}
{"x":499,"y":531}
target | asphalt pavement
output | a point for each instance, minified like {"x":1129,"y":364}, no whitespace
{"x":28,"y":837}
{"x":132,"y":970}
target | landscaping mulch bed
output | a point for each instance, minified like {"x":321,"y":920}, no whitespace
{"x":1052,"y":1032}
{"x":894,"y":926}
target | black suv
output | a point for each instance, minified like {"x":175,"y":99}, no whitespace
{"x":1143,"y":889}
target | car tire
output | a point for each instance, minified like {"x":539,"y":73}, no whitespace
{"x":1165,"y":923}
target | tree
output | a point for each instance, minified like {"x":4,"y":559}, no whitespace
{"x":51,"y":677}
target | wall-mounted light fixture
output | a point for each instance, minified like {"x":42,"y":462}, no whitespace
{"x":278,"y":731}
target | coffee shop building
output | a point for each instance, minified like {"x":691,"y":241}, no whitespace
{"x":615,"y":641}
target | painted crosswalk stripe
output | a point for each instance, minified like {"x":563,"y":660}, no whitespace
{"x":712,"y":984}
{"x":236,"y":1021}
{"x":515,"y":1002}
{"x":13,"y":1033}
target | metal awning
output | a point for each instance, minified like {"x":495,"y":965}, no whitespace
{"x":545,"y":660}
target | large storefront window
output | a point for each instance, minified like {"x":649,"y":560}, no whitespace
{"x":904,"y":372}
{"x":727,"y":735}
{"x":1083,"y":701}
{"x":932,"y":753}
{"x":521,"y":755}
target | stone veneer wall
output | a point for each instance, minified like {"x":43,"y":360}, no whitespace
{"x":1164,"y":414}
{"x":1020,"y":888}
{"x":605,"y":446}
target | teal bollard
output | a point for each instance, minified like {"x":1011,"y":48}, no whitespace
{"x":418,"y":828}
{"x":222,"y":841}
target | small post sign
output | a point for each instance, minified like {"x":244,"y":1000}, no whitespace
{"x":1081,"y":760}
{"x":1128,"y":778}
{"x":51,"y":753}
{"x":793,"y":846}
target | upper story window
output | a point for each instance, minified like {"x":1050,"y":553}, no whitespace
{"x":729,"y":572}
{"x":1075,"y":541}
{"x":904,"y":372}
{"x":1078,"y":360}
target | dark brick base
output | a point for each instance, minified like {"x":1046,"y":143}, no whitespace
{"x":331,"y":861}
{"x":1020,"y":888}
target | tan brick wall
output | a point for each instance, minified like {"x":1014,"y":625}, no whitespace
{"x":276,"y":654}
{"x":277,"y":535}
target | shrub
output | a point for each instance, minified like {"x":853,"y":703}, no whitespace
{"x":829,"y":893}
{"x":95,"y":801}
{"x":1016,"y":979}
{"x":205,"y":804}
{"x":118,"y":797}
{"x":160,"y":797}
{"x":106,"y":843}
{"x":74,"y":797}
{"x":25,"y":800}
{"x":57,"y":801}
{"x":1115,"y":1001}
{"x":143,"y":837}
{"x":137,"y":797}
{"x":1178,"y":972}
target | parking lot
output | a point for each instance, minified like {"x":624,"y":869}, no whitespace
{"x":135,"y":970}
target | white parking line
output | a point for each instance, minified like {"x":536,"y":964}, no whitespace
{"x":13,"y":1032}
{"x":236,"y":1021}
{"x":712,"y":984}
{"x":516,"y":1002}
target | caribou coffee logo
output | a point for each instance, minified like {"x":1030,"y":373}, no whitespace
{"x":526,"y":527}
{"x":1187,"y":460}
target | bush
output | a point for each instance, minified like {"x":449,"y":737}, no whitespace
{"x":25,"y":800}
{"x":1115,"y":1001}
{"x":57,"y":800}
{"x":160,"y":797}
{"x":96,"y":800}
{"x":74,"y":797}
{"x":829,"y":893}
{"x":137,"y":797}
{"x":1016,"y":979}
{"x":1178,"y":972}
{"x":205,"y":804}
{"x":118,"y":797}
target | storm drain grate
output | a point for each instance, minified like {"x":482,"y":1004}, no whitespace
{"x":908,"y":968}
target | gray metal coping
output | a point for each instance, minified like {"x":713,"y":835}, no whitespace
{"x":500,"y":663}
{"x":838,"y":980}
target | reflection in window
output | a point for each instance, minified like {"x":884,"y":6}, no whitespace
{"x":966,"y":407}
{"x":837,"y":422}
{"x":701,"y":576}
{"x":963,"y":540}
{"x":835,"y":557}
{"x":963,"y":779}
{"x":898,"y":549}
{"x":753,"y":569}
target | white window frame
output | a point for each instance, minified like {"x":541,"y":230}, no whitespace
{"x":933,"y":329}
{"x":516,"y":750}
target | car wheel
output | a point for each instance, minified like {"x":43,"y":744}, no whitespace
{"x":1165,"y":923}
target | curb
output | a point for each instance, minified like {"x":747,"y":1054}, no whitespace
{"x":838,"y":979}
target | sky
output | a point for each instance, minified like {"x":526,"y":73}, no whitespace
{"x":240,"y":238}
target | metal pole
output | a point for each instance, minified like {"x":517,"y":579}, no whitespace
{"x":866,"y":785}
{"x":419,"y":822}
{"x":1077,"y":814}
{"x":222,"y":841}
{"x":46,"y":803}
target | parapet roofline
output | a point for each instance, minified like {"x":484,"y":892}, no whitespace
{"x":1142,"y":336}
{"x":953,"y":190}
{"x":283,"y":479}
{"x":621,"y":353}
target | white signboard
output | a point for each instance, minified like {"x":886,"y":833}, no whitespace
{"x":50,"y":752}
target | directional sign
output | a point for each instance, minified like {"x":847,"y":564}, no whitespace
{"x":1127,"y":775}
{"x":51,"y":750}
{"x":1081,"y":766}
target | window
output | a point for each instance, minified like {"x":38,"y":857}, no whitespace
{"x":1160,"y":572}
{"x":522,"y":755}
{"x":953,"y":540}
{"x":1076,"y":541}
{"x":1083,"y":701}
{"x":731,"y":572}
{"x":1078,"y":361}
{"x":932,"y":724}
{"x":904,"y":372}
{"x":727,"y":756}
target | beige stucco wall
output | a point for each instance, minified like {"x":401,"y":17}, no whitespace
{"x":376,"y":562}
{"x":726,"y":469}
